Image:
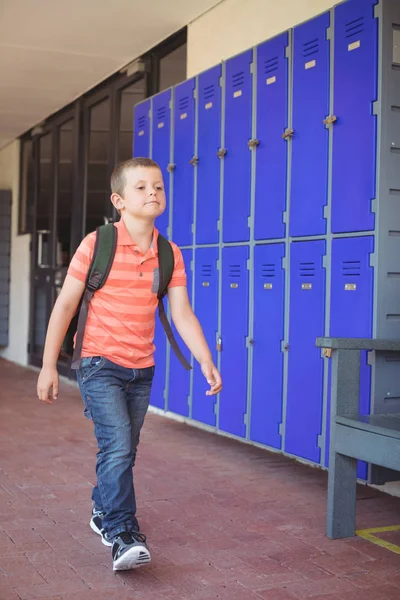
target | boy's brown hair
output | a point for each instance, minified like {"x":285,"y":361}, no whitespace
{"x":118,"y":179}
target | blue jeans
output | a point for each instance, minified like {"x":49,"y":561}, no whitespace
{"x":116,"y":399}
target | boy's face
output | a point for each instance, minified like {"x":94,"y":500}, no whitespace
{"x":144,"y":195}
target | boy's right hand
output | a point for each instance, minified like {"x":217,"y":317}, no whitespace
{"x":48,"y":380}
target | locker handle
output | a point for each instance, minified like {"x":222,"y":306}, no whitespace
{"x":194,"y":161}
{"x":222,"y":152}
{"x":170,"y":168}
{"x":330,"y":120}
{"x":253,"y":143}
{"x":288,"y":134}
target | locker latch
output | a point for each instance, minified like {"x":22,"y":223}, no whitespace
{"x":253,"y":143}
{"x":288,"y":134}
{"x":330,"y":120}
{"x":219,"y":344}
{"x":222,"y":152}
{"x":171,"y":168}
{"x":194,"y":161}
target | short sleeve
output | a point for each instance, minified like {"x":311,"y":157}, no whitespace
{"x":80,"y":263}
{"x":179,"y":275}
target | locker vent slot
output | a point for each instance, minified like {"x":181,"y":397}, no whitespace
{"x":209,"y":92}
{"x":141,"y":122}
{"x":184,"y":103}
{"x":271,"y":65}
{"x":351,"y":268}
{"x":205,"y":270}
{"x":311,"y":48}
{"x":161,"y":113}
{"x":267,"y":271}
{"x":307,"y":269}
{"x":354,"y":27}
{"x":238,"y":79}
{"x":234,"y":271}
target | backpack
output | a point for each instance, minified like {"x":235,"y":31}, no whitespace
{"x":103,"y":257}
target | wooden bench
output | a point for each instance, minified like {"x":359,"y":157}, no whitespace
{"x":374,"y":439}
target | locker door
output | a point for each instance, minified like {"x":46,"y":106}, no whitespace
{"x":354,"y":133}
{"x":179,"y":379}
{"x":161,"y":143}
{"x":209,"y":141}
{"x":183,"y":204}
{"x":235,"y":316}
{"x":269,"y":314}
{"x":271,"y":155}
{"x":305,"y":379}
{"x":238,"y":126}
{"x":351,"y":308}
{"x":206,"y":309}
{"x":157,"y":398}
{"x":309,"y":179}
{"x":141,"y":138}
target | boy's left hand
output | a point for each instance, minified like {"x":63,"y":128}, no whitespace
{"x":213,"y":377}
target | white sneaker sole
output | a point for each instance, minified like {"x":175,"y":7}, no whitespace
{"x":132,"y":559}
{"x":97,"y":530}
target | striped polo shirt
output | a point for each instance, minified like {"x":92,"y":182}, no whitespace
{"x":121,"y":319}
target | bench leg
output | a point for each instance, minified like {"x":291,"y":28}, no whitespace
{"x":342,"y":489}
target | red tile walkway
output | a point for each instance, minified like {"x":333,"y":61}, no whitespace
{"x":224,"y":520}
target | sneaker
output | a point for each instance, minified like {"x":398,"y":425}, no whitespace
{"x":129,"y":551}
{"x":96,"y":524}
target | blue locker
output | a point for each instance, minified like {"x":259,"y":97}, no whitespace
{"x":157,"y":398}
{"x":311,"y":79}
{"x":234,"y":357}
{"x":354,"y":133}
{"x":352,"y":309}
{"x":179,"y":379}
{"x":238,"y":131}
{"x":183,"y":204}
{"x":141,"y":137}
{"x":161,"y":144}
{"x":271,"y":155}
{"x":305,"y":376}
{"x":209,"y":141}
{"x":269,"y":315}
{"x":206,"y":309}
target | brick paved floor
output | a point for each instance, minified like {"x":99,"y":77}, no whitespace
{"x":224,"y":520}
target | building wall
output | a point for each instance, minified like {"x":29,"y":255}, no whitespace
{"x":236,"y":25}
{"x":16,"y":351}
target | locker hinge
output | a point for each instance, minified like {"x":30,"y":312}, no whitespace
{"x":371,"y":358}
{"x":221,"y":81}
{"x":373,"y":205}
{"x":378,"y":11}
{"x":246,"y":419}
{"x":150,"y":113}
{"x":170,"y":104}
{"x":287,"y":52}
{"x":252,"y":67}
{"x":281,"y":430}
{"x":284,"y":262}
{"x":195,"y":93}
{"x":191,"y":265}
{"x":192,"y":228}
{"x":325,"y":261}
{"x":329,"y":33}
{"x":215,"y":408}
{"x":219,"y":225}
{"x":248,"y":222}
{"x":218,"y":264}
{"x":376,"y":108}
{"x":326,"y":211}
{"x":320,"y":441}
{"x":284,"y":346}
{"x":249,"y":342}
{"x":248,"y":264}
{"x":285,"y":217}
{"x":372,"y":259}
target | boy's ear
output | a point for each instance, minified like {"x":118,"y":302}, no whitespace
{"x":117,"y":201}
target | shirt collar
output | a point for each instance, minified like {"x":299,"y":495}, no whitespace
{"x":124,"y":238}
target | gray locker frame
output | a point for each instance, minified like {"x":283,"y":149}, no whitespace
{"x":386,"y":218}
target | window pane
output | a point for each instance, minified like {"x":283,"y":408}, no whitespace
{"x":97,"y":185}
{"x":396,"y":45}
{"x":27,"y":188}
{"x":65,"y":193}
{"x":130,"y":96}
{"x":173,"y":68}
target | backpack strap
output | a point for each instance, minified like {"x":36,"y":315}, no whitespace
{"x":102,"y":260}
{"x":166,"y":264}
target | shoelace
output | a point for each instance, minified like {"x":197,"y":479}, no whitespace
{"x":128,"y":536}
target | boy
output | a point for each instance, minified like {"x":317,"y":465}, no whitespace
{"x":117,"y":358}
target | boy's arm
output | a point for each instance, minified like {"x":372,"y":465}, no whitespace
{"x":192,"y":334}
{"x":61,"y":316}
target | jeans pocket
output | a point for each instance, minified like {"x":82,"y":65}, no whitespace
{"x":91,"y":365}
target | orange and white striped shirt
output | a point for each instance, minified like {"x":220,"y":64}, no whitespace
{"x":121,"y":318}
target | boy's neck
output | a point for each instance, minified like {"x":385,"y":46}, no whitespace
{"x":140,"y":231}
